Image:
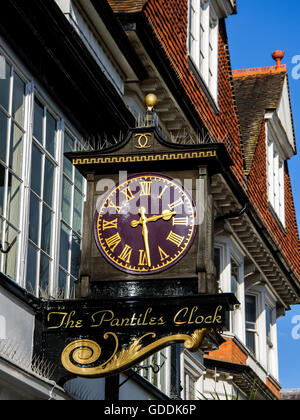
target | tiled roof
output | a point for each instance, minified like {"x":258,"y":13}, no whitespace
{"x":127,"y":6}
{"x":254,"y":95}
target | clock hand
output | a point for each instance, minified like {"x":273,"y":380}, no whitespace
{"x":166,"y":215}
{"x":143,"y":219}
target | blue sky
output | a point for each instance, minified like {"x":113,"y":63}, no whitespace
{"x":259,"y":28}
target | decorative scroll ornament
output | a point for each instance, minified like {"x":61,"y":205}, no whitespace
{"x":80,"y":356}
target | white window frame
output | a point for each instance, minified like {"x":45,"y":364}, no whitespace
{"x":230,"y":250}
{"x":275,"y":174}
{"x":192,"y":367}
{"x":203,"y":45}
{"x":161,"y":379}
{"x":264,"y":298}
{"x":34,"y":90}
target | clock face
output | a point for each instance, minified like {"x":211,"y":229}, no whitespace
{"x":146,"y":224}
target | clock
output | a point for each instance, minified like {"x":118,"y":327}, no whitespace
{"x":145,"y":224}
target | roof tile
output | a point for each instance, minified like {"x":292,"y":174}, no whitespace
{"x":254,"y":95}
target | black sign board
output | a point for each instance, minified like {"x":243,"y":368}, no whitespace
{"x":98,"y":338}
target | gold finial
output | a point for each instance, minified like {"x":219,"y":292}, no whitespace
{"x":151,"y":101}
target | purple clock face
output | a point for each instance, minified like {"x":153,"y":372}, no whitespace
{"x":146,"y":224}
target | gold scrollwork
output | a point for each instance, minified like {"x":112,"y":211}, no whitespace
{"x":86,"y":352}
{"x":143,"y":141}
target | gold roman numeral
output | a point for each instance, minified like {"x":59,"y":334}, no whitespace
{"x":110,"y":225}
{"x":128,"y":193}
{"x":176,"y":203}
{"x":162,"y":192}
{"x":163,"y":254}
{"x":143,"y":257}
{"x":111,"y":205}
{"x":113,"y":241}
{"x":126,"y":254}
{"x":145,"y":188}
{"x":176,"y":239}
{"x":180,"y":221}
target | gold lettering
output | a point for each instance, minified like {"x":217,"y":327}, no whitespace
{"x":218,"y":318}
{"x":113,"y":241}
{"x":176,"y":203}
{"x":185,"y":311}
{"x":143,"y":258}
{"x":126,"y":254}
{"x":175,"y":239}
{"x":110,"y":225}
{"x":64,"y":315}
{"x":162,"y":192}
{"x":163,"y":255}
{"x":114,"y":206}
{"x":145,"y":188}
{"x":104,"y":318}
{"x":128,"y":193}
{"x":66,"y":321}
{"x":180,"y":221}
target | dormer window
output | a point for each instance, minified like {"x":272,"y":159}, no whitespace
{"x":203,"y":42}
{"x":275,"y":177}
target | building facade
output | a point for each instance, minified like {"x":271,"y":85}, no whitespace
{"x":74,"y":78}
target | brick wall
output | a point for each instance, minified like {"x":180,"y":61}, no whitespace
{"x":169,"y":20}
{"x":229,"y":352}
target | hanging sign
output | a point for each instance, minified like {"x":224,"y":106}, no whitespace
{"x":98,"y":338}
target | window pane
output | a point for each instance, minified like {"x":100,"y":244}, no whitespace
{"x":268,"y":322}
{"x":44,"y":275}
{"x":76,"y":256}
{"x":51,"y":134}
{"x":31,"y":269}
{"x":62,"y":285}
{"x":68,"y":147}
{"x":3,"y":135}
{"x":10,"y":259}
{"x":65,"y":236}
{"x":77,"y":212}
{"x":78,"y":180}
{"x":34,"y":219}
{"x":250,"y":309}
{"x":38,"y":121}
{"x":46,"y":230}
{"x":2,"y":188}
{"x":18,"y":100}
{"x":4,"y":84}
{"x":250,"y":341}
{"x":48,"y":182}
{"x":13,"y":200}
{"x":66,"y":204}
{"x":36,"y":170}
{"x":16,"y":150}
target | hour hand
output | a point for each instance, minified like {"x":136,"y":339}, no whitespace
{"x":166,"y":215}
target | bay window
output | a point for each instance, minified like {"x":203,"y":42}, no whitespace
{"x":41,"y":193}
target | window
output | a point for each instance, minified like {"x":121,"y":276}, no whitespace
{"x":12,"y":130}
{"x":42,"y":203}
{"x":41,"y":193}
{"x":203,"y":42}
{"x":71,"y":222}
{"x":251,"y":331}
{"x":275,"y":177}
{"x":189,"y":385}
{"x":154,"y":369}
{"x":270,"y":339}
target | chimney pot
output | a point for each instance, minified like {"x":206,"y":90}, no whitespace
{"x":278,"y":56}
